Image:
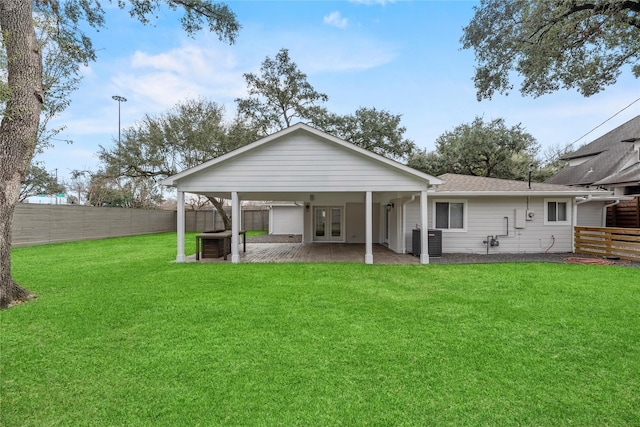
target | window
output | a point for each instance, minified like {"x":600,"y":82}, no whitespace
{"x":450,"y":215}
{"x":557,"y":212}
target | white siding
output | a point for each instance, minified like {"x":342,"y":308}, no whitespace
{"x":300,"y":162}
{"x":286,"y":220}
{"x":486,"y":217}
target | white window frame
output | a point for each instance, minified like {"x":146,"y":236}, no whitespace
{"x":465,"y":211}
{"x":548,"y":221}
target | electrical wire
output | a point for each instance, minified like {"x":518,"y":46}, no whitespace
{"x":633,"y":102}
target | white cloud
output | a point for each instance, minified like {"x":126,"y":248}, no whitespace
{"x":161,"y":89}
{"x":86,"y":71}
{"x":158,"y":82}
{"x":335,"y":19}
{"x":359,"y":55}
{"x":187,"y":59}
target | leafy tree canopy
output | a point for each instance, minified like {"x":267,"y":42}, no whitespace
{"x":39,"y":181}
{"x":159,"y":146}
{"x":553,"y":44}
{"x":481,"y":149}
{"x":376,"y":130}
{"x":72,"y":14}
{"x":280,"y":96}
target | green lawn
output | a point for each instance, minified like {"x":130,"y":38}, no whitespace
{"x":121,"y":335}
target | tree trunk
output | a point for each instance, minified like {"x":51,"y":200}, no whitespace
{"x":219,"y":205}
{"x":19,"y":127}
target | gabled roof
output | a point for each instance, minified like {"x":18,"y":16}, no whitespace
{"x":466,"y":185}
{"x":302,"y":128}
{"x":603,"y":158}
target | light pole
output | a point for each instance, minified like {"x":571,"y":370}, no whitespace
{"x":120,"y":100}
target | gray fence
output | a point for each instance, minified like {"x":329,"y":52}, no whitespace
{"x":38,"y":224}
{"x":209,"y":219}
{"x":35,"y":224}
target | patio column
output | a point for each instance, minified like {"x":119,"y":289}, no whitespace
{"x":368,"y":253}
{"x":424,"y":233}
{"x":235,"y":227}
{"x":180,"y":227}
{"x":574,"y":222}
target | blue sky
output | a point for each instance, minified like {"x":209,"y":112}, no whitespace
{"x":402,"y":56}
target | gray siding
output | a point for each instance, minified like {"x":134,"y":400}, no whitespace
{"x":355,"y":223}
{"x":591,"y":214}
{"x":300,"y":163}
{"x":486,"y":217}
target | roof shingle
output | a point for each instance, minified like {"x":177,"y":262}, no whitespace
{"x":467,"y":183}
{"x":604,"y":157}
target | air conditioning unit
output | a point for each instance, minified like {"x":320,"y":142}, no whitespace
{"x":530,"y":215}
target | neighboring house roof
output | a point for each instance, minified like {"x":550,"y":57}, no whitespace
{"x":629,"y":175}
{"x":466,"y":185}
{"x":599,"y":162}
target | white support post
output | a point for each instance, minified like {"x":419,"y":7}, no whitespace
{"x":235,"y":227}
{"x":424,"y":231}
{"x":180,"y":227}
{"x":368,"y":255}
{"x":574,"y":222}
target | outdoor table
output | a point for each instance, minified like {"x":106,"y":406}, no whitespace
{"x":224,"y":236}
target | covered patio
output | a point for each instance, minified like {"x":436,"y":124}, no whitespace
{"x":353,"y":199}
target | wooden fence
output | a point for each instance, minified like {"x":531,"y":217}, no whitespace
{"x":608,"y":242}
{"x":625,"y":214}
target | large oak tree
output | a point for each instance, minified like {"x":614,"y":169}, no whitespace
{"x":158,"y":146}
{"x":24,"y":95}
{"x":281,"y":96}
{"x":490,"y":149}
{"x":552,"y":44}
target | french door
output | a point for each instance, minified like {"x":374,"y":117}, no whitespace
{"x":328,"y":224}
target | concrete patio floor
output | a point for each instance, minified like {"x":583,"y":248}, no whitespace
{"x":342,"y":252}
{"x":313,"y":252}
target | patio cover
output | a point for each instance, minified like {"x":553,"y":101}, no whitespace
{"x":291,"y":165}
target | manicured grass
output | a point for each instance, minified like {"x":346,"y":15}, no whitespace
{"x":121,"y":335}
{"x":252,"y":233}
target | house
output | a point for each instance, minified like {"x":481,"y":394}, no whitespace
{"x":351,"y":195}
{"x":344,"y":188}
{"x":489,"y":215}
{"x":611,"y":162}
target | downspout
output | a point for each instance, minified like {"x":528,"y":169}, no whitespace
{"x":604,"y":211}
{"x":589,"y":198}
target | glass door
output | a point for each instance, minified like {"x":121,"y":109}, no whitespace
{"x":328,"y":224}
